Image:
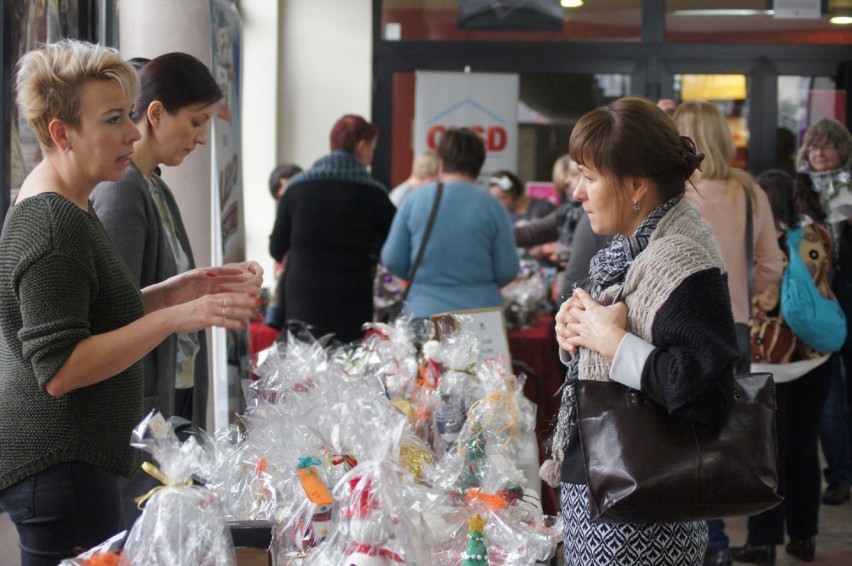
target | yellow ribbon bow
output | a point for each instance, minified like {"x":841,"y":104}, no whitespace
{"x":152,"y":470}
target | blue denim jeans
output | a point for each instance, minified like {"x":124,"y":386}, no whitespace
{"x":834,"y":431}
{"x":63,"y":511}
{"x":716,"y":534}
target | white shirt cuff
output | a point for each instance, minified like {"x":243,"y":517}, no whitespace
{"x":629,"y":361}
{"x":564,"y":356}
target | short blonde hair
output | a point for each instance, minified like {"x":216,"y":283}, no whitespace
{"x":560,"y":171}
{"x":49,"y":78}
{"x":425,"y":165}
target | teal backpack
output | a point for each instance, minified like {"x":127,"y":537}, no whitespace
{"x":816,"y":320}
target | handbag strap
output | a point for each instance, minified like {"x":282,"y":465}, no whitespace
{"x":431,"y":222}
{"x":749,"y":239}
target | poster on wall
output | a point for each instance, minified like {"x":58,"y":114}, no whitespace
{"x":484,"y":102}
{"x":228,"y":224}
{"x":33,"y":22}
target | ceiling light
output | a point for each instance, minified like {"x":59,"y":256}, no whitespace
{"x":841,"y":20}
{"x":571,"y":3}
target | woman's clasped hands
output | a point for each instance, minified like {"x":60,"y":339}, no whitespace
{"x":582,"y":321}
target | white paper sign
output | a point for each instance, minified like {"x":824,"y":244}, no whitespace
{"x":484,"y":102}
{"x":489,"y":325}
{"x":797,"y":9}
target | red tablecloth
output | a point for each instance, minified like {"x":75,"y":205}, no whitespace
{"x":536,"y":350}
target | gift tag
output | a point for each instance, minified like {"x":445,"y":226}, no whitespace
{"x":314,"y":487}
{"x":158,"y":426}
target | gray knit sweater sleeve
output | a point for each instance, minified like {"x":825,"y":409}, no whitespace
{"x":61,"y":280}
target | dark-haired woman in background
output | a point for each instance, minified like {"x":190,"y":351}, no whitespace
{"x":506,"y":187}
{"x":176,"y":101}
{"x":333,"y":219}
{"x":278,"y":181}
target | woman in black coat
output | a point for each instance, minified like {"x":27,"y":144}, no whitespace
{"x":333,"y":219}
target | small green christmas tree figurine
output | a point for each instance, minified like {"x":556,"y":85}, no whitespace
{"x":474,"y":454}
{"x":475,"y":554}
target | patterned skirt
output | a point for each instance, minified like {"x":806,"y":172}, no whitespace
{"x":623,"y":544}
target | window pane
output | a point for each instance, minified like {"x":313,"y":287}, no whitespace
{"x":746,"y":21}
{"x":729,"y":93}
{"x":510,"y":20}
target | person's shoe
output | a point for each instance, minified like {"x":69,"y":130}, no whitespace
{"x":717,"y":557}
{"x":803,"y":548}
{"x":760,"y":554}
{"x":835,"y":494}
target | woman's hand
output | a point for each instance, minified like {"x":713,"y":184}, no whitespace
{"x":228,"y":310}
{"x":253,"y":273}
{"x":195,"y":283}
{"x":581,"y":321}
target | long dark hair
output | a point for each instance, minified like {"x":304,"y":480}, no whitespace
{"x":177,"y":80}
{"x":779,"y":187}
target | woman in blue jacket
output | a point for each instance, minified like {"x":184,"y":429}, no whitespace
{"x":471,"y":251}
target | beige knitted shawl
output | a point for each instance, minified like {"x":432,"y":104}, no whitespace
{"x":682,"y":245}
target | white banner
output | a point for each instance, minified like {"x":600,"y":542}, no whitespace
{"x":231,"y":364}
{"x":484,"y":102}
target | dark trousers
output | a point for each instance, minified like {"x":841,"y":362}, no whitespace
{"x":836,"y":426}
{"x":799,"y":406}
{"x":63,"y":511}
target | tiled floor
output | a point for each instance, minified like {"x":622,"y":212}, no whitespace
{"x":834,"y":543}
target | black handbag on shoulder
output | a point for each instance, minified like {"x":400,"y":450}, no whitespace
{"x":394,"y":310}
{"x":646,"y":466}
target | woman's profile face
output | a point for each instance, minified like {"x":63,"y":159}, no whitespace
{"x":178,"y":134}
{"x":823,"y":155}
{"x":602,"y":202}
{"x":101,"y":146}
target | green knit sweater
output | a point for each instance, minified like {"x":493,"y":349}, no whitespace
{"x":62,"y":280}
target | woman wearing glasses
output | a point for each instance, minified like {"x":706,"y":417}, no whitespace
{"x":825,"y":156}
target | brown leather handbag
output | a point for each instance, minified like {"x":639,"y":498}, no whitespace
{"x":646,"y":466}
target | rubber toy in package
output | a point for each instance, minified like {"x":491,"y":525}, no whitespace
{"x":488,"y":537}
{"x":392,"y":355}
{"x":182,"y":524}
{"x":523,"y":296}
{"x":285,"y":372}
{"x":503,"y":412}
{"x":373,"y":528}
{"x":108,"y":553}
{"x":515,"y":531}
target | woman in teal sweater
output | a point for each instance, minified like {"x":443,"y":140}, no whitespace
{"x":73,"y":321}
{"x":471,"y":251}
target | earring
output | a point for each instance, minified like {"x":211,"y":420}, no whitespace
{"x":67,"y":148}
{"x":636,"y":207}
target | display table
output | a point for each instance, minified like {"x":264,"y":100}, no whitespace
{"x":535,"y":352}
